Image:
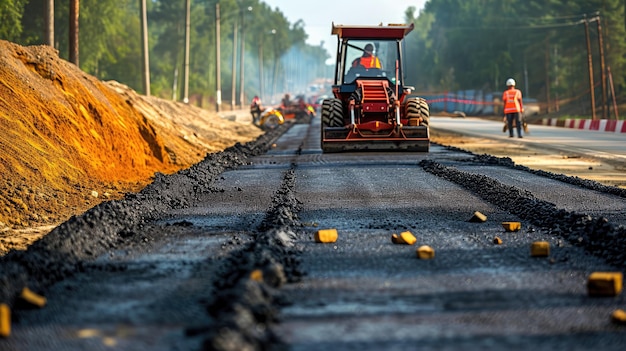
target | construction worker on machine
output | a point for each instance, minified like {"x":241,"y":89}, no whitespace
{"x":286,"y":101}
{"x":513,"y":108}
{"x":367,"y":60}
{"x":255,"y":109}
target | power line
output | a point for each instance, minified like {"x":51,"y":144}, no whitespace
{"x":595,"y":18}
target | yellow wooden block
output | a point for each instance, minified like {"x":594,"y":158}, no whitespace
{"x":5,"y":320}
{"x":478,"y":217}
{"x":326,"y":236}
{"x":604,"y":284}
{"x":32,"y":298}
{"x":425,"y":252}
{"x":619,"y":317}
{"x":256,"y":275}
{"x":407,"y":238}
{"x":497,"y":240}
{"x":540,"y":249}
{"x":511,"y":226}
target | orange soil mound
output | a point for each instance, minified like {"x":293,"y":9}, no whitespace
{"x":69,"y":141}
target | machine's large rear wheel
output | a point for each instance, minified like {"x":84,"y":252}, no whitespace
{"x":418,"y":108}
{"x":332,"y":116}
{"x":332,"y":113}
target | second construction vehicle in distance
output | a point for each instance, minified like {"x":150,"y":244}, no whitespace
{"x":372,"y":107}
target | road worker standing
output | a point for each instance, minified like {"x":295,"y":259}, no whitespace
{"x":513,"y":107}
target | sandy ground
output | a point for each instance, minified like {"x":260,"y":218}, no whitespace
{"x":69,"y":141}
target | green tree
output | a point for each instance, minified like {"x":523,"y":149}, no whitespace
{"x":110,"y":42}
{"x":477,"y":44}
{"x":11,"y":13}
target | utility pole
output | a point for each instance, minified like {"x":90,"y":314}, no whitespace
{"x":590,"y":65}
{"x":547,"y":69}
{"x":261,"y":82}
{"x":218,"y":78}
{"x":242,"y":53}
{"x":49,"y":22}
{"x":186,"y":72}
{"x":233,"y":81}
{"x":144,"y":48}
{"x":613,"y":93}
{"x":74,"y":9}
{"x":602,"y":69}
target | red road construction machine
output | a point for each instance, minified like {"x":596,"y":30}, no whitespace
{"x":372,"y":108}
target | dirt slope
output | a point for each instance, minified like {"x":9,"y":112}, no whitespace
{"x":69,"y":141}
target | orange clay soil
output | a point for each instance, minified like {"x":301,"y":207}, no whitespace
{"x":69,"y":141}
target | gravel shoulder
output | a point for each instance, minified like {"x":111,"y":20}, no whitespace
{"x":537,"y":158}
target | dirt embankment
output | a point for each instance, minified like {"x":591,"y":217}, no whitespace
{"x":69,"y":141}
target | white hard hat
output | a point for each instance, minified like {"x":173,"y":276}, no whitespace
{"x":510,"y":82}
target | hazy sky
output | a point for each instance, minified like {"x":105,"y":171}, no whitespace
{"x":318,"y":15}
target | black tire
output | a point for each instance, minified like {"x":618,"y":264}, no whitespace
{"x":332,"y":113}
{"x":332,"y":116}
{"x":418,"y":108}
{"x":325,"y":108}
{"x":271,"y":122}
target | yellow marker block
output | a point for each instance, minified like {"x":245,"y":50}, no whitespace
{"x":5,"y":320}
{"x":540,"y":249}
{"x":425,"y":252}
{"x":32,"y":298}
{"x":497,"y":240}
{"x":511,"y":226}
{"x":619,"y":317}
{"x":256,"y":275}
{"x":406,"y":238}
{"x":604,"y":284}
{"x":395,"y":239}
{"x":326,"y":236}
{"x":478,"y":217}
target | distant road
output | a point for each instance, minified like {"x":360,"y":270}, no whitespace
{"x":604,"y":145}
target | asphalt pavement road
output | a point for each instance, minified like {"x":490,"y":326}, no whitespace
{"x":362,"y":292}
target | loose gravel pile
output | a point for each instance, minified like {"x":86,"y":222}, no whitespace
{"x":81,"y":239}
{"x":577,"y":181}
{"x":596,"y":234}
{"x":245,"y":300}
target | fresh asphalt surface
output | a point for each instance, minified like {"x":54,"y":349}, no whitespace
{"x":362,"y":292}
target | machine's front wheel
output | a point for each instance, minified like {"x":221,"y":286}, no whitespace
{"x":417,"y":108}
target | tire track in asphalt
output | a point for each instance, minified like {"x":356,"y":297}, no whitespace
{"x":246,"y":295}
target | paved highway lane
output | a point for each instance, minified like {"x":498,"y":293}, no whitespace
{"x":365,"y":293}
{"x":169,"y":288}
{"x":603,"y":145}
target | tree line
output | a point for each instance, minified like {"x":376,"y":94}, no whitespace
{"x":546,"y":45}
{"x":542,"y":44}
{"x":111,"y":44}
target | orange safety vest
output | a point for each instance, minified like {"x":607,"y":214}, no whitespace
{"x":370,"y":62}
{"x":512,"y":101}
